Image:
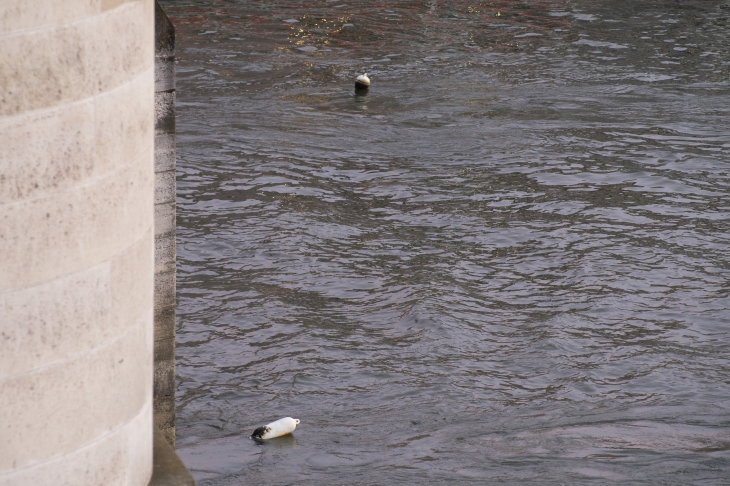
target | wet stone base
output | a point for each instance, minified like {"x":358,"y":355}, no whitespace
{"x":168,"y":470}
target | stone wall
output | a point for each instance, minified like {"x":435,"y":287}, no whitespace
{"x":164,"y":390}
{"x":76,"y":241}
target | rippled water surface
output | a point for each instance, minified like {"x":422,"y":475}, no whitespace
{"x":507,"y":263}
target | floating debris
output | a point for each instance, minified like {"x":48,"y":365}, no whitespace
{"x":278,"y":428}
{"x":362,"y":82}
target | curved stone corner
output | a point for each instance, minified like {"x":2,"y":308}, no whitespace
{"x":77,"y":216}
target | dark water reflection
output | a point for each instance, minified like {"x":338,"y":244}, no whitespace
{"x":507,"y":263}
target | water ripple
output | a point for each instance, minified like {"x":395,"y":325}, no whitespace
{"x":506,"y":263}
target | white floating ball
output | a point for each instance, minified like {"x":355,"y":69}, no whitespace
{"x":278,"y":428}
{"x":362,"y":82}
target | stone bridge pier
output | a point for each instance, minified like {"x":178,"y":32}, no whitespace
{"x":87,"y":256}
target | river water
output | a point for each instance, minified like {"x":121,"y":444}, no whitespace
{"x":506,"y":264}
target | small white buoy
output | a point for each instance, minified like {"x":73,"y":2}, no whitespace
{"x":278,"y":428}
{"x":362,"y":82}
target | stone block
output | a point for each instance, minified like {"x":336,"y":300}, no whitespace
{"x":165,"y":111}
{"x":165,"y":187}
{"x":40,"y":69}
{"x":164,"y":411}
{"x":105,"y":5}
{"x":124,"y":121}
{"x":69,"y":62}
{"x":164,"y":74}
{"x":164,"y":151}
{"x":164,"y":34}
{"x":77,"y":219}
{"x":165,"y":351}
{"x":66,"y":316}
{"x":139,"y":440}
{"x":18,"y":15}
{"x":56,"y":320}
{"x":90,"y":396}
{"x":124,"y":48}
{"x":164,"y":394}
{"x":123,"y":456}
{"x":164,"y":290}
{"x":56,"y":148}
{"x":165,"y":323}
{"x":133,"y":280}
{"x":79,"y":227}
{"x":169,"y":469}
{"x":164,"y":219}
{"x":168,"y":434}
{"x":165,"y":253}
{"x":46,"y":150}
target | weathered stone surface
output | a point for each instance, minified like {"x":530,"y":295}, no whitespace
{"x":67,"y":316}
{"x":165,"y":187}
{"x":165,"y":252}
{"x":66,"y":405}
{"x":122,"y":456}
{"x":77,"y":242}
{"x":165,"y":324}
{"x":17,"y":15}
{"x":164,"y":219}
{"x":110,"y":4}
{"x":168,"y":468}
{"x":165,"y":74}
{"x":165,"y":417}
{"x":81,"y":226}
{"x":164,"y":34}
{"x":60,"y":147}
{"x":125,"y":116}
{"x":164,"y":290}
{"x":68,"y":62}
{"x":165,"y":111}
{"x":164,"y":151}
{"x":47,"y":150}
{"x":165,"y":352}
